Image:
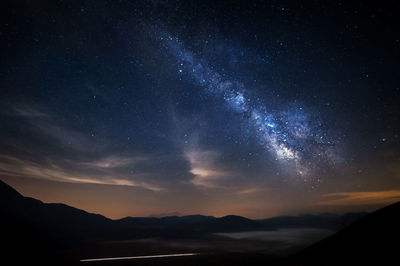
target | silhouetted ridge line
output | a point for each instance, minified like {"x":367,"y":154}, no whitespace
{"x":371,"y":240}
{"x":7,"y":192}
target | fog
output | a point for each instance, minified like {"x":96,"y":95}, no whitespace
{"x":292,"y":237}
{"x":279,"y":242}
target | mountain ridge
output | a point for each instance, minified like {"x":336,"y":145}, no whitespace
{"x":7,"y":190}
{"x":370,"y":240}
{"x":8,"y":193}
{"x":34,"y":226}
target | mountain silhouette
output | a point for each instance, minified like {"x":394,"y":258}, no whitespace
{"x":49,"y":221}
{"x":41,"y":231}
{"x":372,"y":240}
{"x":33,"y":231}
{"x":60,"y":221}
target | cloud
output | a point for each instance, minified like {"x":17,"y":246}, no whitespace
{"x":360,"y":198}
{"x":49,"y":148}
{"x":45,"y":129}
{"x":251,"y":190}
{"x":13,"y":166}
{"x":204,"y":169}
{"x":113,"y":162}
{"x":30,"y":113}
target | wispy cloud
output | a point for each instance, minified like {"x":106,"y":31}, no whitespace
{"x":29,"y":112}
{"x":204,"y":169}
{"x":52,"y":171}
{"x":56,"y":150}
{"x":113,"y":162}
{"x":360,"y":198}
{"x":51,"y":127}
{"x":250,"y":190}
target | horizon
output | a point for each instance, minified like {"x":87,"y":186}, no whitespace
{"x":177,"y":214}
{"x":152,"y":108}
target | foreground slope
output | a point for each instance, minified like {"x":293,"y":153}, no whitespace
{"x":48,"y":221}
{"x":372,"y":240}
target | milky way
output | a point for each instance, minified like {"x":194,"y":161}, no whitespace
{"x":301,"y":145}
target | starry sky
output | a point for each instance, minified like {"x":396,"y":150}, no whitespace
{"x":154,"y":108}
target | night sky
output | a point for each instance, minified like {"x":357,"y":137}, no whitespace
{"x":255,"y":108}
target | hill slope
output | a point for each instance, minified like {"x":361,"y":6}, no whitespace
{"x":48,"y":221}
{"x":372,"y":240}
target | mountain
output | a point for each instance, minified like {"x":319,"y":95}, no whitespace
{"x":42,"y":231}
{"x":33,"y":231}
{"x":186,"y":226}
{"x":49,"y":221}
{"x":372,"y":240}
{"x":60,"y":221}
{"x":323,"y":221}
{"x":65,"y":224}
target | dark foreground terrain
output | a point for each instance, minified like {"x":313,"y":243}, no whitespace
{"x":56,"y":234}
{"x":234,"y":259}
